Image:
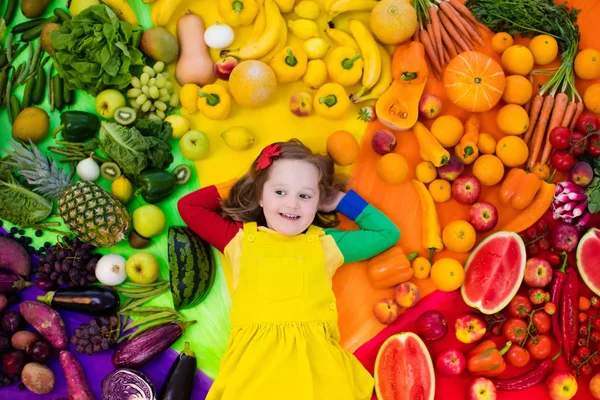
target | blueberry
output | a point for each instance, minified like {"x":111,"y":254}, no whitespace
{"x":39,"y":233}
{"x":47,"y":244}
{"x":21,"y":231}
{"x":14,"y":230}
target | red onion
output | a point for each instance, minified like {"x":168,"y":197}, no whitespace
{"x":431,"y":325}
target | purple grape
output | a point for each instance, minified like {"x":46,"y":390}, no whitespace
{"x":91,"y":278}
{"x":13,"y":362}
{"x":13,"y":298}
{"x":61,"y":254}
{"x":82,"y":281}
{"x":4,"y":343}
{"x":45,"y":284}
{"x":12,"y":321}
{"x":50,"y":258}
{"x":61,"y":280}
{"x":74,"y":339}
{"x":54,"y":276}
{"x":66,"y":266}
{"x":40,"y":351}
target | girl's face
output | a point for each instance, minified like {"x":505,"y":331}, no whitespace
{"x":290,"y":197}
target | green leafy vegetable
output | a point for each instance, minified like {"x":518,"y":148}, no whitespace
{"x":95,"y":50}
{"x":593,"y":190}
{"x":2,"y":29}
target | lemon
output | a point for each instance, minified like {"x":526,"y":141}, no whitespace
{"x":237,"y":138}
{"x":307,"y":9}
{"x":122,"y":189}
{"x":179,"y":124}
{"x":304,"y":28}
{"x":188,"y":96}
{"x":316,"y":74}
{"x":315,"y":48}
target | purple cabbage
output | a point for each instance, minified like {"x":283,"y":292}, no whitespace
{"x":127,"y":384}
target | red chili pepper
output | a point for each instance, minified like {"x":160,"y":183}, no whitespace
{"x":525,"y":380}
{"x":556,"y":287}
{"x":568,"y":312}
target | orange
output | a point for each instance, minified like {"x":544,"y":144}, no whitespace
{"x":447,"y":274}
{"x":425,"y":171}
{"x":488,"y":169}
{"x":421,"y":267}
{"x":541,"y":171}
{"x":393,"y":21}
{"x":342,"y":147}
{"x":440,"y":190}
{"x":501,"y":41}
{"x":518,"y":60}
{"x":392,"y":168}
{"x":512,"y":151}
{"x":448,"y":130}
{"x":459,"y":236}
{"x":474,"y":81}
{"x":518,"y":90}
{"x":486,"y":143}
{"x":544,"y":49}
{"x":591,"y":98}
{"x":587,"y":64}
{"x":512,"y":119}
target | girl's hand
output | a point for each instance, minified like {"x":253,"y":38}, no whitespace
{"x":332,"y":205}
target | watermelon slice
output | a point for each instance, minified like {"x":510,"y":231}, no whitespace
{"x":494,"y":272}
{"x":403,"y":369}
{"x":588,"y":259}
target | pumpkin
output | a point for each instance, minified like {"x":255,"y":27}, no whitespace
{"x":398,"y":107}
{"x":474,"y":81}
{"x":390,"y":268}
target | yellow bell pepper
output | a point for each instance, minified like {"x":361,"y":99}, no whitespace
{"x":238,"y":12}
{"x":331,"y":101}
{"x":432,"y":237}
{"x":214,"y":102}
{"x":345,"y":66}
{"x":290,"y":64}
{"x":429,"y":147}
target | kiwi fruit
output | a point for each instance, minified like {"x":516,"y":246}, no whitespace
{"x":182,"y":174}
{"x":110,"y":171}
{"x":125,"y":115}
{"x":137,"y":241}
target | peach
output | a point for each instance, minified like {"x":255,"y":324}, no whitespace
{"x":224,"y":67}
{"x":470,"y":327}
{"x":430,"y":106}
{"x":301,"y":104}
{"x":383,"y":142}
{"x":407,"y":294}
{"x":386,"y":311}
{"x":481,"y":389}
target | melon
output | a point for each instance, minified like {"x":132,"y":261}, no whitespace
{"x":588,"y":261}
{"x":494,"y":271}
{"x":403,"y":369}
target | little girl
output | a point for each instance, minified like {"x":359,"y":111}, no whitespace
{"x":284,"y":342}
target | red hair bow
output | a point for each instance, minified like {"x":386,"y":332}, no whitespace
{"x":265,"y":158}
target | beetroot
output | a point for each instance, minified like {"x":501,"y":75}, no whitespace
{"x":14,"y":257}
{"x":46,"y":321}
{"x":564,"y":237}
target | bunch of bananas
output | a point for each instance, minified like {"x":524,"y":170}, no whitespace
{"x":337,"y":7}
{"x":162,"y":11}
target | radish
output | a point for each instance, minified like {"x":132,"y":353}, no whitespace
{"x":46,"y":321}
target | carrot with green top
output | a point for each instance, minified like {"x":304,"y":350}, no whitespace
{"x":578,"y":111}
{"x":561,"y":100}
{"x":570,"y":111}
{"x":534,"y":113}
{"x":435,"y":24}
{"x":538,"y":136}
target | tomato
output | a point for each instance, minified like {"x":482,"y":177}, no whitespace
{"x":595,"y":323}
{"x":539,"y":346}
{"x":515,"y":330}
{"x":542,"y":321}
{"x":517,"y":356}
{"x":559,"y":137}
{"x":595,"y":337}
{"x":587,"y":123}
{"x":562,"y":160}
{"x":553,"y":259}
{"x":575,"y":361}
{"x":533,"y":249}
{"x":519,"y":306}
{"x":582,"y":342}
{"x":544,"y":244}
{"x":595,"y":360}
{"x":593,"y":146}
{"x":583,"y":352}
{"x":550,"y":308}
{"x":578,"y":143}
{"x":585,"y":370}
{"x":583,"y":331}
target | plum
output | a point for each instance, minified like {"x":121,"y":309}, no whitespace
{"x":581,"y":173}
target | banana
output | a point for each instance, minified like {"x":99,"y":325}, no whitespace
{"x":328,"y":4}
{"x":123,"y":11}
{"x":283,"y":33}
{"x":342,"y":6}
{"x":156,"y":7}
{"x":259,"y":24}
{"x":269,"y":38}
{"x":384,"y":82}
{"x":166,"y":11}
{"x":285,"y":6}
{"x":341,"y":38}
{"x":369,"y":52}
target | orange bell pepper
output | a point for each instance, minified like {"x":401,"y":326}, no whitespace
{"x":519,"y":188}
{"x":467,"y":149}
{"x":533,"y":212}
{"x":390,"y":268}
{"x":486,"y":360}
{"x":510,"y":185}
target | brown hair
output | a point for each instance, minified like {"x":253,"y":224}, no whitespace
{"x":242,"y":204}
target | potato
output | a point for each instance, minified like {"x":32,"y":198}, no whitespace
{"x":38,"y":378}
{"x":23,"y":339}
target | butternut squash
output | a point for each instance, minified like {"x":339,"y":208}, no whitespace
{"x":194,"y":64}
{"x":398,"y":107}
{"x":390,"y":268}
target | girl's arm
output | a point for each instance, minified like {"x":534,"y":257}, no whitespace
{"x":199,"y":211}
{"x":377,"y":232}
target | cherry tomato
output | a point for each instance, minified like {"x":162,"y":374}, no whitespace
{"x":595,"y":302}
{"x":541,"y":321}
{"x":533,"y":249}
{"x":539,"y":346}
{"x":578,"y":143}
{"x":583,"y":331}
{"x":542,"y":226}
{"x":584,"y":303}
{"x":593,"y":146}
{"x":550,"y":308}
{"x":543,"y":244}
{"x":519,"y":306}
{"x":537,"y":296}
{"x":587,"y":123}
{"x":583,"y":317}
{"x":595,"y":323}
{"x":582,"y":342}
{"x":531,"y":232}
{"x":575,"y":361}
{"x":517,"y":356}
{"x":595,"y":337}
{"x":583,"y":352}
{"x":515,"y":330}
{"x":562,"y":160}
{"x":559,"y":137}
{"x":595,"y":360}
{"x":553,"y":259}
{"x":585,"y":370}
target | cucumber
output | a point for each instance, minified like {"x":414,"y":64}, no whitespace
{"x":39,"y":93}
{"x":62,"y":15}
{"x":34,"y":32}
{"x":57,"y":89}
{"x":9,"y":13}
{"x":67,"y":94}
{"x":27,"y":25}
{"x":28,"y":92}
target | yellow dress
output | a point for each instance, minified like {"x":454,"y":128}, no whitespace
{"x":284,"y":341}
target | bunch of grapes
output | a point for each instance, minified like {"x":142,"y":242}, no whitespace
{"x":69,"y":262}
{"x":97,"y":335}
{"x":152,"y":92}
{"x":587,"y":355}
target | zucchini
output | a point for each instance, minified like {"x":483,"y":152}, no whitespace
{"x":191,"y":267}
{"x":90,"y":300}
{"x":180,"y":379}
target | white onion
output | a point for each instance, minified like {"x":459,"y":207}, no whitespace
{"x":110,"y":270}
{"x":88,"y":170}
{"x":218,"y":36}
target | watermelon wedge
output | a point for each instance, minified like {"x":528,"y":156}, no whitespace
{"x":494,"y":271}
{"x":404,"y":370}
{"x":588,"y":259}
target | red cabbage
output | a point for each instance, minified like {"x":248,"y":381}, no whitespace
{"x":127,"y":384}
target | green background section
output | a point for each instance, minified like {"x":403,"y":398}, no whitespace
{"x":209,"y":335}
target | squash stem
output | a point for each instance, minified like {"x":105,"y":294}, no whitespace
{"x":290,"y":59}
{"x":211,"y":98}
{"x":329,"y":101}
{"x":47,"y":298}
{"x":237,"y":6}
{"x":348,"y":63}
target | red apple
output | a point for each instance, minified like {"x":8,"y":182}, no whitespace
{"x":469,"y":327}
{"x":595,"y":386}
{"x":224,"y":67}
{"x":386,"y":311}
{"x":451,"y":362}
{"x":452,"y":170}
{"x":383,"y":142}
{"x":483,"y":216}
{"x":466,"y":190}
{"x":561,"y":386}
{"x":430,"y":106}
{"x":538,"y":272}
{"x":481,"y":389}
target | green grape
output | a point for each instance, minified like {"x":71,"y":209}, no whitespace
{"x":159,"y":66}
{"x":146,"y":106}
{"x":146,"y":90}
{"x":166,"y":74}
{"x":149,"y":71}
{"x":142,"y":98}
{"x":160,"y":105}
{"x":145,"y":78}
{"x":134,"y":92}
{"x":135,"y":82}
{"x":174,"y":102}
{"x":169,"y":85}
{"x":154,"y":92}
{"x":161,"y":114}
{"x":134,"y":104}
{"x":164,"y":91}
{"x":152,"y":82}
{"x":165,"y":99}
{"x":153,"y":116}
{"x":152,"y":107}
{"x":161,"y":82}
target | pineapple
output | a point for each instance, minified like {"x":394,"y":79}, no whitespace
{"x":91,"y":213}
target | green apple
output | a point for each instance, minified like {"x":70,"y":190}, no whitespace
{"x":148,"y":221}
{"x":142,"y":268}
{"x":194,"y":145}
{"x":108,"y":101}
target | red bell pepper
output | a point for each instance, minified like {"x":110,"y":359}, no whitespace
{"x":486,"y":360}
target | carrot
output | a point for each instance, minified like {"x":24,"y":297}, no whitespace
{"x":448,"y":43}
{"x":560,"y":106}
{"x":424,"y":36}
{"x":416,"y":36}
{"x":452,"y":32}
{"x":461,"y":8}
{"x":536,"y":106}
{"x":528,"y":104}
{"x":435,"y":23}
{"x":569,"y":113}
{"x":461,"y":23}
{"x":447,"y":58}
{"x":538,"y":136}
{"x":578,"y":112}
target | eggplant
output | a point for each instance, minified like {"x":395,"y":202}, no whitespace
{"x":180,"y":379}
{"x":12,"y":283}
{"x":90,"y":300}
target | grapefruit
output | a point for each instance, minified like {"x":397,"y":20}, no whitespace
{"x":403,"y":369}
{"x":494,"y":271}
{"x":588,"y":262}
{"x":252,"y":84}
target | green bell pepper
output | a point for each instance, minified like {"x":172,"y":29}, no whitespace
{"x":77,"y":126}
{"x":155,"y":185}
